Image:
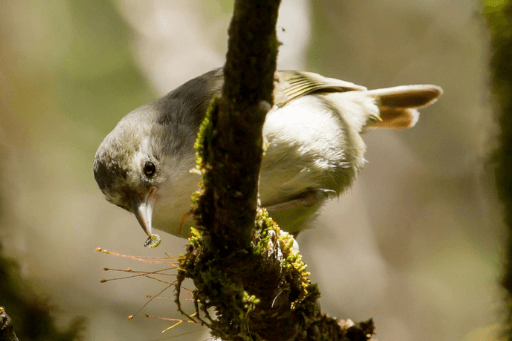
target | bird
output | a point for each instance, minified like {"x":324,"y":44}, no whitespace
{"x":312,"y":135}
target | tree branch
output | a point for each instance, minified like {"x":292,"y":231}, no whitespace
{"x":243,"y":267}
{"x":246,"y":97}
{"x":6,"y":327}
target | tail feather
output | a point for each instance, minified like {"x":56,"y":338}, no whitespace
{"x":397,"y":106}
{"x":392,"y":108}
{"x":407,"y":96}
{"x":396,"y":118}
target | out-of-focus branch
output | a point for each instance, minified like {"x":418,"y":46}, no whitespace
{"x":242,"y":266}
{"x":499,"y":17}
{"x":6,"y":327}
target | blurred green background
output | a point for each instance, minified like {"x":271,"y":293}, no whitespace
{"x":416,"y":243}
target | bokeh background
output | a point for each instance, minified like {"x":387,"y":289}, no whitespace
{"x":417,"y":243}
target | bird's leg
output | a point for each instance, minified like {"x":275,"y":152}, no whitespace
{"x":183,"y":218}
{"x":305,"y":199}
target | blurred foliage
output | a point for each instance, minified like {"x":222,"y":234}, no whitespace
{"x":79,"y":68}
{"x":226,"y":5}
{"x":64,"y":65}
{"x":499,"y":18}
{"x":99,"y":81}
{"x":99,"y":69}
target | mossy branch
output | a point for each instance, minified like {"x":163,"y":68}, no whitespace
{"x":243,"y":267}
{"x":237,"y":145}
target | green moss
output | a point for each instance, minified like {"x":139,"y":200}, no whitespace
{"x":205,"y":136}
{"x":219,"y":279}
{"x":228,"y":276}
{"x":214,"y":288}
{"x":217,"y":284}
{"x":292,"y":260}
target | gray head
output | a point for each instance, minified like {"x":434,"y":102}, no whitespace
{"x":128,"y":165}
{"x":149,"y":146}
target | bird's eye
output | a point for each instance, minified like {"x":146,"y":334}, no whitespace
{"x":149,"y":169}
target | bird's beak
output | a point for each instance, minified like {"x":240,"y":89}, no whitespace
{"x":143,"y":209}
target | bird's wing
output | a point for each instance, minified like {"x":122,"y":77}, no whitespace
{"x":293,"y":84}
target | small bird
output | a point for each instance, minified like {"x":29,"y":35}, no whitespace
{"x":312,"y":134}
